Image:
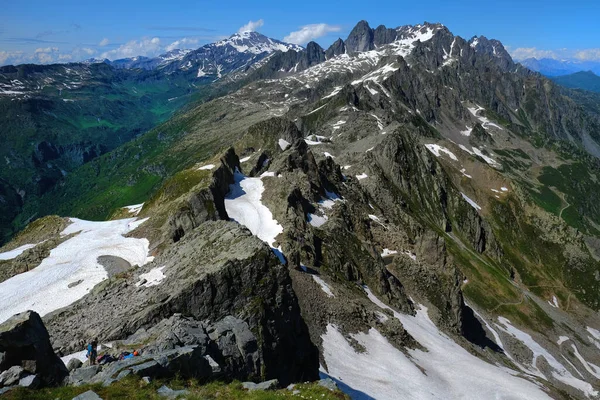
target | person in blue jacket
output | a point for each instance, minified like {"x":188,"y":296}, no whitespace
{"x":92,"y":351}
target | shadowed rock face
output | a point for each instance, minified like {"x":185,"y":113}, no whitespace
{"x":24,"y":342}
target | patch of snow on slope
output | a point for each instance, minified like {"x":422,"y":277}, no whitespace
{"x":9,"y":255}
{"x":471,"y":202}
{"x":485,"y":122}
{"x":316,"y":220}
{"x":388,"y":252}
{"x":559,"y":372}
{"x":443,"y":371}
{"x":336,"y":90}
{"x":134,"y":209}
{"x":463,"y":148}
{"x":591,"y":368}
{"x":487,"y":159}
{"x":242,"y":160}
{"x":562,"y":339}
{"x":554,"y":302}
{"x":324,"y":286}
{"x":467,"y":132}
{"x":243,"y":205}
{"x":283,"y":144}
{"x":152,"y":277}
{"x":207,"y":167}
{"x":464,"y":172}
{"x":80,"y":355}
{"x":45,"y":288}
{"x":362,"y":176}
{"x":326,"y":154}
{"x":436,"y":150}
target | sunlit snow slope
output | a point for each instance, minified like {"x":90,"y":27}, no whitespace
{"x":74,"y":262}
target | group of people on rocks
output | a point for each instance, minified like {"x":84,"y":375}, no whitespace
{"x":92,"y":354}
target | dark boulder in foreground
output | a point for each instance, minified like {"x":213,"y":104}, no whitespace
{"x":25,"y":344}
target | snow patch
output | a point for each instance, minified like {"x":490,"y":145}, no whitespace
{"x":436,"y":150}
{"x":562,"y":339}
{"x":443,"y":371}
{"x":316,"y":220}
{"x":388,"y":252}
{"x":134,"y":209}
{"x":9,"y":255}
{"x":207,"y":167}
{"x":324,"y":286}
{"x":283,"y":144}
{"x":46,"y":287}
{"x":362,"y":176}
{"x":471,"y":202}
{"x":559,"y":372}
{"x":152,"y":277}
{"x":243,"y":205}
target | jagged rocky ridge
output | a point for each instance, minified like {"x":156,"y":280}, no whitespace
{"x":414,"y":147}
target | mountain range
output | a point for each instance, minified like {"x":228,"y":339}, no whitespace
{"x":553,"y":67}
{"x":404,"y":214}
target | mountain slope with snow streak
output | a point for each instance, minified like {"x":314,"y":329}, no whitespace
{"x":443,"y":370}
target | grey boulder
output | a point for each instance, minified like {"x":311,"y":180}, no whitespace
{"x":25,"y":342}
{"x":266,"y":385}
{"x":11,"y":375}
{"x":30,"y":381}
{"x":329,"y":384}
{"x":73,"y":364}
{"x":89,"y":395}
{"x":167,"y":392}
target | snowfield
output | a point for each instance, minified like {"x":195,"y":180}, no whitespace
{"x":444,"y":371}
{"x":46,"y":288}
{"x":243,"y":204}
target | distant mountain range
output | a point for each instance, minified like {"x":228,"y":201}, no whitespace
{"x":586,"y":80}
{"x":213,"y":59}
{"x":552,"y":67}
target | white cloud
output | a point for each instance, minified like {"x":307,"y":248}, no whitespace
{"x":310,"y":32}
{"x":588,"y":55}
{"x":148,"y":47}
{"x":46,"y":50}
{"x":103,"y":42}
{"x":251,"y":26}
{"x":185,"y":43}
{"x":45,"y":55}
{"x":11,"y":57}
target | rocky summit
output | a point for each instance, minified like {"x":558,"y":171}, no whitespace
{"x":404,"y":214}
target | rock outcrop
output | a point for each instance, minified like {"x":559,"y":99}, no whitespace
{"x":217,"y":270}
{"x":26,"y":349}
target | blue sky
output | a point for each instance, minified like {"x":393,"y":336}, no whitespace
{"x":69,"y":30}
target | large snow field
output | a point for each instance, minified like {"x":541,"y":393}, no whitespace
{"x":444,"y":371}
{"x":45,"y":288}
{"x":243,"y":205}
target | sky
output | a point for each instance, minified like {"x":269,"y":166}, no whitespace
{"x":72,"y":30}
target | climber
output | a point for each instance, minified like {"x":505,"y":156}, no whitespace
{"x":92,"y":351}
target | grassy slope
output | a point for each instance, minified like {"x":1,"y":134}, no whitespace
{"x":134,"y":388}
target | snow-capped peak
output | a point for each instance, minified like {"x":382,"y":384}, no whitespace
{"x":256,"y":43}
